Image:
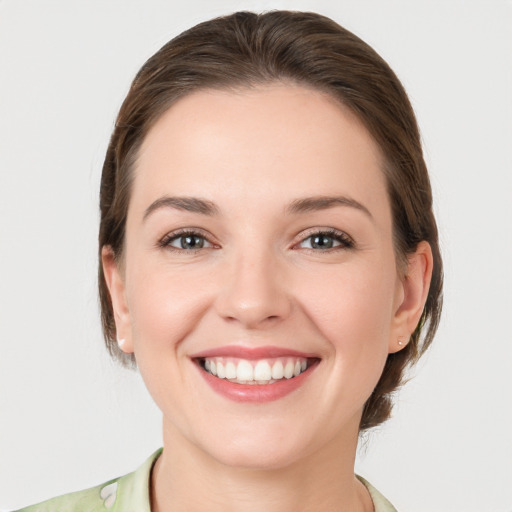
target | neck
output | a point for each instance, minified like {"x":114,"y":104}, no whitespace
{"x":185,"y":478}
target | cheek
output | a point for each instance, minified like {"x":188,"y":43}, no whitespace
{"x":164,"y":306}
{"x":354,"y":310}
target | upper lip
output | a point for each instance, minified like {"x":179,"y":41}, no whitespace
{"x":244,"y":352}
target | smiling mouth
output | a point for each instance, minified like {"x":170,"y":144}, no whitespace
{"x":260,"y":371}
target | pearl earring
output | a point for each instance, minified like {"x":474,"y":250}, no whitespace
{"x":121,"y":342}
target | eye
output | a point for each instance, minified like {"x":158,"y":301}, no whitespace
{"x":327,"y":240}
{"x":185,"y":241}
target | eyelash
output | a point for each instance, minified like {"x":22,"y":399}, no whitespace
{"x":344,"y":240}
{"x":338,"y":236}
{"x":165,"y":242}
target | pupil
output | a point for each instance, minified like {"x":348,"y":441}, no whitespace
{"x":191,"y":242}
{"x":322,"y":242}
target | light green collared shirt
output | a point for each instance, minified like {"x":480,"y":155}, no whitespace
{"x":130,"y":493}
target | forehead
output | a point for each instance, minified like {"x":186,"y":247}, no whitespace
{"x":276,"y":141}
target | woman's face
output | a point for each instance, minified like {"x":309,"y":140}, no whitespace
{"x":259,"y":245}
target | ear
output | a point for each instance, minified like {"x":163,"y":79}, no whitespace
{"x":116,"y":287}
{"x":412,"y":295}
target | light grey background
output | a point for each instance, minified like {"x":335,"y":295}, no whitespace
{"x":69,"y":418}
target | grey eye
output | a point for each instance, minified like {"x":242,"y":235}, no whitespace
{"x":320,"y":241}
{"x":188,"y":242}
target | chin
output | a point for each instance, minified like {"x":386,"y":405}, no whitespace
{"x":256,"y":458}
{"x":263,"y":446}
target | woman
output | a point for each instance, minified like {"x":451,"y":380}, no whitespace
{"x":268,"y":259}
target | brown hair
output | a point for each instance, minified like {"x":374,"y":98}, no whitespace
{"x":244,"y":50}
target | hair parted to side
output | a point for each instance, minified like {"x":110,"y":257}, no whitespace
{"x":246,"y":50}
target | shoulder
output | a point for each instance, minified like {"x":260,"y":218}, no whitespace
{"x":95,"y":499}
{"x":127,"y":492}
{"x":380,"y":503}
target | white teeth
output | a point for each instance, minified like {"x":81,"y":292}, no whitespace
{"x":264,"y":371}
{"x":244,"y":371}
{"x":221,"y":373}
{"x":230,"y":370}
{"x":278,"y":370}
{"x":288,"y":370}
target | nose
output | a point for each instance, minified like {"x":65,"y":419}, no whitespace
{"x":254,"y":292}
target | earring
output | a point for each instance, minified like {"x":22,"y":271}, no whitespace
{"x":401,"y":340}
{"x":121,"y":342}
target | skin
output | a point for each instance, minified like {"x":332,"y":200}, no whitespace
{"x":259,"y":281}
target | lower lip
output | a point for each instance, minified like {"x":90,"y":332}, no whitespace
{"x":256,"y":392}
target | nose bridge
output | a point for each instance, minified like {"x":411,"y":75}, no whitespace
{"x":253,"y":292}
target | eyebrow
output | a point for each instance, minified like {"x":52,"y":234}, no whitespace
{"x":310,"y":204}
{"x":205,"y":207}
{"x":188,"y":204}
